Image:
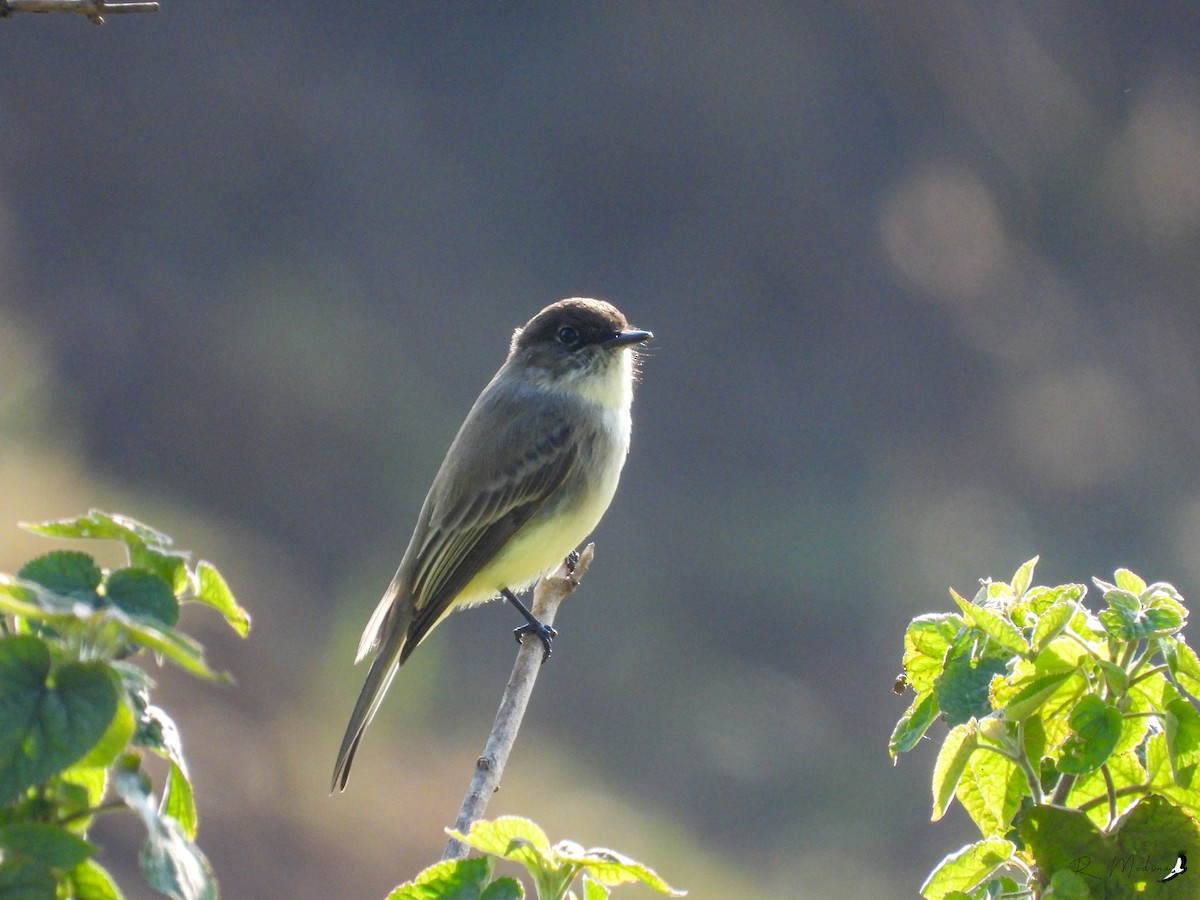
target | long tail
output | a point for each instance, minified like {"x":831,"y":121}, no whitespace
{"x":379,"y":678}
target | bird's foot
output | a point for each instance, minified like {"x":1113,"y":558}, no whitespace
{"x":546,"y":633}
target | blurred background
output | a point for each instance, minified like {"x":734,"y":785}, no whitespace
{"x":923,"y":279}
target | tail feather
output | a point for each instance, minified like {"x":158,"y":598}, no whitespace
{"x":379,"y":678}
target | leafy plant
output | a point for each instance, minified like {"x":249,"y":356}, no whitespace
{"x":75,"y":713}
{"x":553,"y":869}
{"x":1073,"y":744}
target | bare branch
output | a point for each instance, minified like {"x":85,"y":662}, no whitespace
{"x":550,"y":592}
{"x":93,"y":9}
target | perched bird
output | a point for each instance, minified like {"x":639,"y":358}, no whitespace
{"x":527,"y":478}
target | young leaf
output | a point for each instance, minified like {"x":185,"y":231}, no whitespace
{"x":171,"y":863}
{"x":99,"y":524}
{"x":22,"y":878}
{"x":1023,"y":577}
{"x":91,"y":881}
{"x":612,"y":868}
{"x":913,"y":724}
{"x":968,"y":868}
{"x":45,"y":728}
{"x":1051,"y":623}
{"x":952,"y":759}
{"x":49,"y":844}
{"x":1096,"y":729}
{"x":65,"y":572}
{"x":926,"y":642}
{"x":453,"y":878}
{"x":1182,"y":663}
{"x":142,"y":595}
{"x":213,"y":590}
{"x":178,"y":803}
{"x":1128,"y":581}
{"x":995,"y":626}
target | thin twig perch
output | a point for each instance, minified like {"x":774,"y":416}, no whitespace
{"x":95,"y":10}
{"x":550,"y":592}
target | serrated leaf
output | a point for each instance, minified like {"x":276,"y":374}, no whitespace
{"x":1128,"y":581}
{"x":967,"y":868}
{"x":27,"y":879}
{"x":113,"y":741}
{"x":49,"y":844}
{"x":991,"y":790}
{"x":1183,"y":737}
{"x":964,"y":687}
{"x":46,"y":727}
{"x":1125,"y":771}
{"x":142,"y":595}
{"x":503,"y":889}
{"x":91,"y":881}
{"x":460,"y":879}
{"x":1051,"y":623}
{"x":1096,"y":730}
{"x":178,"y":802}
{"x":102,"y":525}
{"x":995,"y":626}
{"x":594,"y":890}
{"x":927,"y":640}
{"x":171,"y":863}
{"x":1183,"y":664}
{"x":496,"y":836}
{"x":1134,"y":855}
{"x":1031,"y":695}
{"x":952,"y":759}
{"x":612,"y":868}
{"x":169,"y":643}
{"x":213,"y":591}
{"x":1023,"y":577}
{"x":68,"y":573}
{"x":912,"y":726}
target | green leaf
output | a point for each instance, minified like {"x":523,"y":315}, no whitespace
{"x":171,"y":863}
{"x":952,"y":759}
{"x":991,"y":790}
{"x":167,"y":642}
{"x":27,"y":879}
{"x":1127,"y":581}
{"x":215,"y":592}
{"x":178,"y":802}
{"x":1051,"y":623}
{"x":913,"y":724}
{"x":102,"y":525}
{"x":504,"y":889}
{"x":1096,"y":729}
{"x":967,"y":868}
{"x":963,"y":688}
{"x":1183,"y":737}
{"x":1068,"y":885}
{"x":497,"y":836}
{"x":594,"y":890}
{"x":1140,"y":850}
{"x":457,"y":879}
{"x":1125,"y":770}
{"x":1183,"y":664}
{"x":142,"y":595}
{"x":48,"y":844}
{"x":45,"y":727}
{"x":1031,"y":696}
{"x":612,"y":868}
{"x":91,"y":881}
{"x":68,"y":573}
{"x":926,"y":642}
{"x":114,"y":740}
{"x":1023,"y":577}
{"x":995,"y":626}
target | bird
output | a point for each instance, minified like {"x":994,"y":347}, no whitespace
{"x":529,"y":475}
{"x":1178,"y":869}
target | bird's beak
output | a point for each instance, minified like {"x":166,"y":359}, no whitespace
{"x":626,"y":338}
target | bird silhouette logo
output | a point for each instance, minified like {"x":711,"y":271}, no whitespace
{"x":1178,"y":869}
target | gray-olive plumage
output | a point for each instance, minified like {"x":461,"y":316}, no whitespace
{"x":527,"y":478}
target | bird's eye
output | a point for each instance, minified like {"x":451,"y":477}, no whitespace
{"x":568,"y":336}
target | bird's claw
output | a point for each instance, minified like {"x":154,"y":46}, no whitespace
{"x":546,"y":633}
